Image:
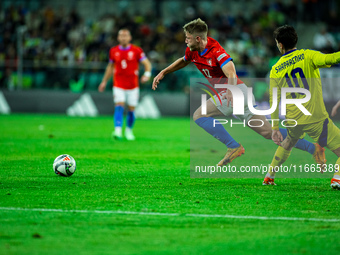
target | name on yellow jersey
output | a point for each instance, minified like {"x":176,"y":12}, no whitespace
{"x":289,"y":62}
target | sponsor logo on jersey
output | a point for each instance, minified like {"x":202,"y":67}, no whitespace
{"x":209,"y":62}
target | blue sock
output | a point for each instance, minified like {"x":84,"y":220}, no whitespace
{"x":130,"y":119}
{"x":219,"y":132}
{"x":118,"y":116}
{"x":302,"y":144}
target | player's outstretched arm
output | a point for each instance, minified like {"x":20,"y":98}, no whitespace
{"x":335,"y":109}
{"x":147,"y":74}
{"x":107,"y":75}
{"x":178,"y":64}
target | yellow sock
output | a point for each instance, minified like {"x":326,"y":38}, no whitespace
{"x":280,"y":157}
{"x":337,"y":168}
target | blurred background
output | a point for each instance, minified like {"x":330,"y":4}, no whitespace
{"x":52,"y":52}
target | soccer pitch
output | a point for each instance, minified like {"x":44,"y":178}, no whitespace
{"x":138,"y":198}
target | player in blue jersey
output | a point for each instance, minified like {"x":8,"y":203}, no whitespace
{"x":217,"y":66}
{"x":300,"y":69}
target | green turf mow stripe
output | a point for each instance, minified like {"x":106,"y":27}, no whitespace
{"x":169,"y":214}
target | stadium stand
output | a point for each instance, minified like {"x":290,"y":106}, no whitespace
{"x":73,"y":41}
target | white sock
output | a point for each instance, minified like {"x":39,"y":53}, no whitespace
{"x":268,"y":175}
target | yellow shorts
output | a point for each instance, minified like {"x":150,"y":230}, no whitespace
{"x":325,"y":133}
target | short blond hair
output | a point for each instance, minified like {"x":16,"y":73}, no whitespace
{"x":197,"y":27}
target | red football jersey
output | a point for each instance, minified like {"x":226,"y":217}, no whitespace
{"x":126,"y":62}
{"x":210,"y":61}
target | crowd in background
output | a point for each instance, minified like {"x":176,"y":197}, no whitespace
{"x":60,"y":37}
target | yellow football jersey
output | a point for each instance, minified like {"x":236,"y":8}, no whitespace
{"x":299,"y":69}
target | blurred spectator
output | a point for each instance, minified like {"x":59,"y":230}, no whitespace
{"x":65,"y":55}
{"x":324,"y":41}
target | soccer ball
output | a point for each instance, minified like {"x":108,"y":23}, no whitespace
{"x":64,"y":165}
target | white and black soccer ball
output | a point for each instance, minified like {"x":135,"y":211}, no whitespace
{"x":64,"y":165}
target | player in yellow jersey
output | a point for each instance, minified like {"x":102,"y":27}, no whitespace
{"x":300,"y":69}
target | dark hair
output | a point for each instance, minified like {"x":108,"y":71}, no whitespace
{"x":287,"y":36}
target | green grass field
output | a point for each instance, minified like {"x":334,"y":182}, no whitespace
{"x":138,"y":198}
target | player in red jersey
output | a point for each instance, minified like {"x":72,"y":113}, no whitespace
{"x":124,"y":64}
{"x":217,"y":66}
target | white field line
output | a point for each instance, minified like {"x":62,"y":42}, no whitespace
{"x":170,"y":214}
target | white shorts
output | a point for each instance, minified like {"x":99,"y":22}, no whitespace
{"x":228,"y":110}
{"x":130,"y":96}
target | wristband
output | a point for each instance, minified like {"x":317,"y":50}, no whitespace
{"x":147,"y":74}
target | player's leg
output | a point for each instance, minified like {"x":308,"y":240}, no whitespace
{"x":216,"y":129}
{"x":130,"y":120}
{"x":118,"y":120}
{"x":330,"y":135}
{"x":132,"y":101}
{"x":303,"y":144}
{"x":335,"y":182}
{"x":119,"y":100}
{"x":266,"y":131}
{"x":282,"y":153}
{"x":212,"y":126}
{"x":261,"y":125}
